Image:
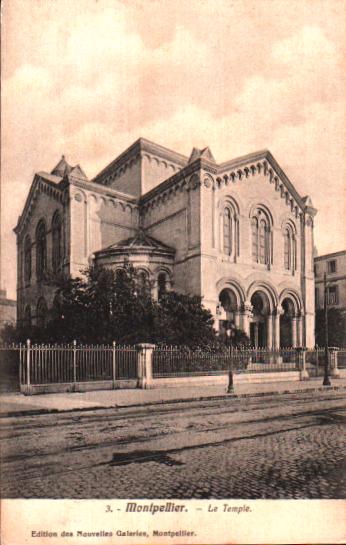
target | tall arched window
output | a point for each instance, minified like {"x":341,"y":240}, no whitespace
{"x":254,"y":234}
{"x":41,"y":313}
{"x":229,"y":228}
{"x":56,"y":242}
{"x":41,"y":249}
{"x":143,"y":283}
{"x":27,"y":316}
{"x":27,"y":259}
{"x":161,"y":285}
{"x":261,"y":237}
{"x":289,"y":248}
{"x":227,"y":232}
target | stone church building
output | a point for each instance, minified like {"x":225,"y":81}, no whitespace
{"x":238,"y":233}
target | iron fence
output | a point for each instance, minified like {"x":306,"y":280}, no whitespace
{"x":342,"y":358}
{"x":9,"y":367}
{"x":180,"y":361}
{"x":33,"y":364}
{"x":315,"y":362}
{"x":65,"y":363}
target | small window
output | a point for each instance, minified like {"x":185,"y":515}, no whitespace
{"x":27,"y":259}
{"x":315,"y":270}
{"x":162,"y":285}
{"x":332,"y":266}
{"x":41,"y":250}
{"x":333,"y":295}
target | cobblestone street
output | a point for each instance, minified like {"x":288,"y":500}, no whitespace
{"x":287,"y":446}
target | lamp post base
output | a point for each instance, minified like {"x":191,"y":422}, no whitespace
{"x":326,"y":381}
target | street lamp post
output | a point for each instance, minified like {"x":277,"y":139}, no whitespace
{"x":229,"y":337}
{"x":326,"y":381}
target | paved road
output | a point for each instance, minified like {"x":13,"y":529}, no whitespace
{"x":288,"y":446}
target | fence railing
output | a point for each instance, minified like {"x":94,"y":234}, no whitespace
{"x":342,"y":358}
{"x":38,"y":365}
{"x":70,"y":363}
{"x":177,"y":361}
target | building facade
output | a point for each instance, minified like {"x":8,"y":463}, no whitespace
{"x":236,"y":233}
{"x":334,"y":266}
{"x":8,"y":310}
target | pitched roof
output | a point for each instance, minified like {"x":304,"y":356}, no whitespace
{"x":78,"y":172}
{"x":62,"y":167}
{"x":141,"y":242}
{"x":204,"y":153}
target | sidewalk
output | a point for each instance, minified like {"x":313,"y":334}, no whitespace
{"x":17,"y":404}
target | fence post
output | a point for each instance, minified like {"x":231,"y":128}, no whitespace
{"x":333,"y":354}
{"x":28,"y":355}
{"x":74,"y":364}
{"x":113,"y":365}
{"x":301,"y":359}
{"x":145,"y":365}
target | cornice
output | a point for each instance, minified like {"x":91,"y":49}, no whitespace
{"x":171,"y":182}
{"x":39,"y":185}
{"x":328,"y":256}
{"x":168,"y":253}
{"x":104,"y":190}
{"x":134,"y":152}
{"x":263,"y":161}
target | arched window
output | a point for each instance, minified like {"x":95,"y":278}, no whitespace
{"x":143,"y":283}
{"x":161,"y":285}
{"x":261,"y":237}
{"x":41,"y":313}
{"x":229,"y":228}
{"x":27,"y":259}
{"x":227,"y":232}
{"x":27,"y":316}
{"x":289,"y":249}
{"x":254,"y":232}
{"x":56,"y":242}
{"x":41,"y":249}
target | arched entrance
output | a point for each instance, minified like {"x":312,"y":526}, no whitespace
{"x":258,"y":325}
{"x":286,"y":323}
{"x":228,"y":302}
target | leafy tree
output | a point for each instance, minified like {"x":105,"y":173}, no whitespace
{"x":181,"y":319}
{"x":105,"y":305}
{"x":336,"y":327}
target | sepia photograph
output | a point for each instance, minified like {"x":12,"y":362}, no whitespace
{"x":173,"y":272}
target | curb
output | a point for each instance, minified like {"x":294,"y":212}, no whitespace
{"x":234,"y":396}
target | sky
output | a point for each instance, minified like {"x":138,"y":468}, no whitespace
{"x":86,"y":78}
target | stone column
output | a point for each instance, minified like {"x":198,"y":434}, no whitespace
{"x":294,"y":331}
{"x":301,"y":353}
{"x":270,"y":331}
{"x":278,"y":312}
{"x":237,"y":319}
{"x":246,"y":313}
{"x":333,"y":354}
{"x":299,"y":331}
{"x":145,"y":365}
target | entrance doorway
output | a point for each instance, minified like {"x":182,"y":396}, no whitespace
{"x":260,"y":313}
{"x":286,"y":333}
{"x":258,"y":334}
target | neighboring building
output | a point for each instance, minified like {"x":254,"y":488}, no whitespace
{"x":334,"y":265}
{"x":8,"y":309}
{"x":237,"y":233}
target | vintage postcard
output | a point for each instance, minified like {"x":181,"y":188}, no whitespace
{"x":173,"y":272}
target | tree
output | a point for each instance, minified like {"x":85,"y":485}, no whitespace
{"x":181,"y":319}
{"x":336,"y":327}
{"x":105,"y":305}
